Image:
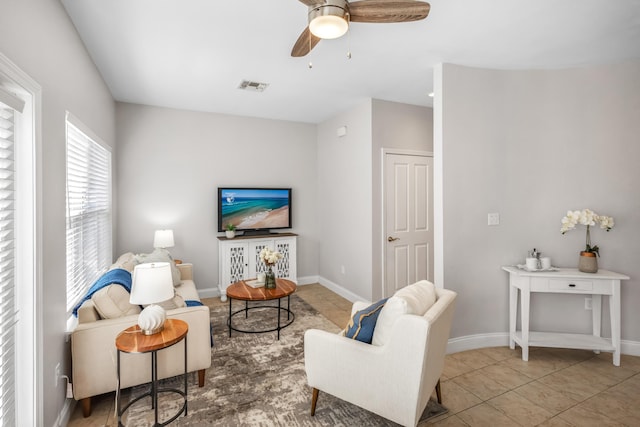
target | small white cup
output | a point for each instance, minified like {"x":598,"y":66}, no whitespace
{"x":545,"y":263}
{"x":532,"y":263}
{"x":261,"y":277}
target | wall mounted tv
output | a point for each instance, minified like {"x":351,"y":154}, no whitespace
{"x":254,"y":210}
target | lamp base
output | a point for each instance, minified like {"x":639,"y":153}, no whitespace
{"x":151,"y":319}
{"x":152,"y":331}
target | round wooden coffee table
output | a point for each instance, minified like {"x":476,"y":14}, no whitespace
{"x":241,"y":291}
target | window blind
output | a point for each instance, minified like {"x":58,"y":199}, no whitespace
{"x":88,"y":212}
{"x":8,"y":312}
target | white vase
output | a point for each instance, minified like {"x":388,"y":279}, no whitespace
{"x":230,"y":234}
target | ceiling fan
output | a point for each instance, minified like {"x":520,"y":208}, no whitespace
{"x":329,"y":19}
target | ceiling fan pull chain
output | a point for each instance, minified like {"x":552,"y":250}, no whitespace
{"x":349,"y":43}
{"x":348,"y":36}
{"x":310,"y":47}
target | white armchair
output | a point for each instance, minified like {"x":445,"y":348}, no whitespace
{"x":394,"y":380}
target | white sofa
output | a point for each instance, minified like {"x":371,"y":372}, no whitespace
{"x":93,"y":350}
{"x":393,"y":379}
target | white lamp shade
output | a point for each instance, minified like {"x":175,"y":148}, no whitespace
{"x":152,"y":283}
{"x":163,"y":239}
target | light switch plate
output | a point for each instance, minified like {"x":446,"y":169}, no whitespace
{"x":493,"y":219}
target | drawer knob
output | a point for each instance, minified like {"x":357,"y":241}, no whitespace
{"x":572,"y":285}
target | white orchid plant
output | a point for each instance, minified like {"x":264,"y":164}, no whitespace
{"x":588,"y":218}
{"x":269,"y":256}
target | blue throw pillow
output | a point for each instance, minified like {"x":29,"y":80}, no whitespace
{"x":363,"y":322}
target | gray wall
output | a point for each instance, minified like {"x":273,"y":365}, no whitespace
{"x":171,"y":162}
{"x":40,"y":39}
{"x":531,"y":145}
{"x":350,"y":189}
{"x":344,"y":201}
{"x":400,"y":126}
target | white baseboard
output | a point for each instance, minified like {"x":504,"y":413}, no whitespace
{"x":632,"y":348}
{"x":501,"y":339}
{"x":473,"y":342}
{"x":308,"y":280}
{"x":65,"y":413}
{"x":345,"y":293}
{"x":209,"y":293}
{"x":455,"y":345}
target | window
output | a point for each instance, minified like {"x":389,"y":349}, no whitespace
{"x":8,"y":309}
{"x":88,"y":210}
{"x":18,"y":288}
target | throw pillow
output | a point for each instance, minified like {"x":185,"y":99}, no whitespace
{"x":413,"y":299}
{"x":363,"y":322}
{"x":125,"y":261}
{"x":161,"y":255}
{"x":112,"y":302}
{"x":176,"y":302}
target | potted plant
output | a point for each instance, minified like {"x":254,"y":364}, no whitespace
{"x":588,"y":262}
{"x":270,"y":258}
{"x":230,"y":231}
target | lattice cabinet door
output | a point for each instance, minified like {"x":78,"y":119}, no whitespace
{"x":240,"y":259}
{"x":286,"y":267}
{"x":255,"y":265}
{"x":235,"y":265}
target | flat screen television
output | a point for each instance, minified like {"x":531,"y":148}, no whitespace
{"x":254,"y":210}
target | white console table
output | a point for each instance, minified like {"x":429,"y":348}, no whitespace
{"x":239,"y":258}
{"x":565,"y":281}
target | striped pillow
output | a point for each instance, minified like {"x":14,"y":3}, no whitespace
{"x":363,"y":322}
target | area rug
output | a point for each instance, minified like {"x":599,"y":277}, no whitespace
{"x":256,"y":380}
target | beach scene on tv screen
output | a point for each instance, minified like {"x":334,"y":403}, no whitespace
{"x":252,"y":209}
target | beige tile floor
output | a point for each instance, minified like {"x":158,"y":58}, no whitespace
{"x":494,"y":387}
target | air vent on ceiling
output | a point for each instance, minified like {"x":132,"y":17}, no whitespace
{"x":253,"y":86}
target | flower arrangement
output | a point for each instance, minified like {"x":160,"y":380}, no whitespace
{"x":589,"y":218}
{"x":269,"y":257}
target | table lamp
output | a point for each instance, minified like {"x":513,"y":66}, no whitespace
{"x":151,"y":284}
{"x":163,"y":239}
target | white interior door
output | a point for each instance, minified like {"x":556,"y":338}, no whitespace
{"x":408,"y":207}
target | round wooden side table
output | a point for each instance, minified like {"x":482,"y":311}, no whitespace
{"x":241,"y":291}
{"x":132,"y":340}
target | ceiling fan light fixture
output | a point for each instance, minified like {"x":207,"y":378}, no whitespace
{"x":328,"y":21}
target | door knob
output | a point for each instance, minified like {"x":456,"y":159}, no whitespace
{"x":392,"y":239}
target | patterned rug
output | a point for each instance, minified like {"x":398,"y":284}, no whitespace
{"x":256,"y":380}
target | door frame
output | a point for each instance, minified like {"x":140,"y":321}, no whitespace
{"x":383,"y":200}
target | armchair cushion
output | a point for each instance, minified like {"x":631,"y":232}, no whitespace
{"x":413,"y":299}
{"x":363,"y":322}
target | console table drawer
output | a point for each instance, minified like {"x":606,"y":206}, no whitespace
{"x":570,"y":285}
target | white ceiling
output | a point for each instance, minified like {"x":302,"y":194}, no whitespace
{"x":193,"y":54}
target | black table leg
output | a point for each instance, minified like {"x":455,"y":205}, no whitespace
{"x":154,"y":385}
{"x":185,"y":376}
{"x":279,"y":318}
{"x":118,"y":393}
{"x":229,"y":317}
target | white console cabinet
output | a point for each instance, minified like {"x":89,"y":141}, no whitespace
{"x":239,"y":258}
{"x":565,"y":281}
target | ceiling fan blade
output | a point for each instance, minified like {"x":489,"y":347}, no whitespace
{"x":380,"y":11}
{"x":305,"y":43}
{"x":313,"y":2}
